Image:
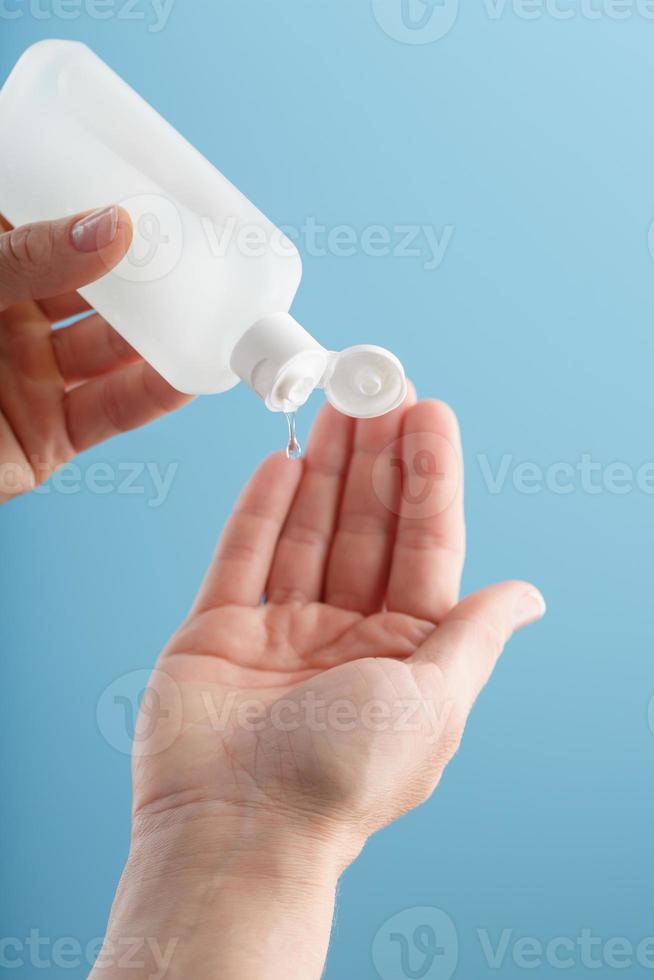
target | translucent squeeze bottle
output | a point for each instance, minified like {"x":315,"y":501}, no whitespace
{"x":205,"y":289}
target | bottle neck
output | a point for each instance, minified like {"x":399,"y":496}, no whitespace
{"x":280,"y":361}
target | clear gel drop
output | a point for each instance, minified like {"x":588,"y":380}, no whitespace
{"x":293,"y":449}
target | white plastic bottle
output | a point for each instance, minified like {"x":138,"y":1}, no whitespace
{"x":204,"y":292}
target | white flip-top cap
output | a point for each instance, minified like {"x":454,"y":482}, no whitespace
{"x":283,"y":364}
{"x":365,"y":381}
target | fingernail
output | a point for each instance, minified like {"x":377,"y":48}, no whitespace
{"x":95,"y":230}
{"x":529,"y":609}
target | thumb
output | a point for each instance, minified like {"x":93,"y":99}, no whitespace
{"x":50,"y":258}
{"x":467,"y":645}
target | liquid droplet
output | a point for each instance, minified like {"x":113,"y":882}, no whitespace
{"x":293,"y":449}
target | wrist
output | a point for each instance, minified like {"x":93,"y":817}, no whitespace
{"x":208,"y":893}
{"x":222,"y":842}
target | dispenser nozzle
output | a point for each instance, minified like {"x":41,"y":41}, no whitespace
{"x":283,"y":364}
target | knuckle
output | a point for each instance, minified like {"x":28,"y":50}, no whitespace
{"x":30,"y":249}
{"x":420,"y":538}
{"x":301,"y":533}
{"x":481,"y":634}
{"x":286,"y":595}
{"x":113,"y":408}
{"x":117,"y":346}
{"x":162,"y":396}
{"x":235,"y":551}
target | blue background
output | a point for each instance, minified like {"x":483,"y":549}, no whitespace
{"x":533,"y":139}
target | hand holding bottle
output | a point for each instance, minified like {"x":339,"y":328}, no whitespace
{"x":62,"y":391}
{"x":205,"y":293}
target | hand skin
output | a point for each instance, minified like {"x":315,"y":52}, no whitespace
{"x":62,"y":391}
{"x":260,"y":767}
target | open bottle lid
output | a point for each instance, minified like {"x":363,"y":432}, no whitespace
{"x":364,"y":381}
{"x":283,"y":364}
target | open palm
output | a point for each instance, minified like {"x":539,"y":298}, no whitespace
{"x":325,"y":669}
